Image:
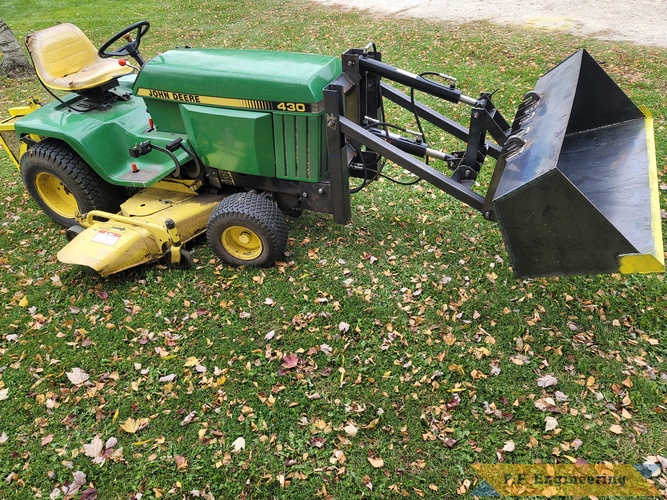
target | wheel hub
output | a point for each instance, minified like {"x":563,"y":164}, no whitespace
{"x":55,"y":194}
{"x":242,"y":243}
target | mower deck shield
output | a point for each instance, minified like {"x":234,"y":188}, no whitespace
{"x":578,"y":193}
{"x":139,"y":234}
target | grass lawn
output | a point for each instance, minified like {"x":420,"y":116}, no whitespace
{"x":380,"y":359}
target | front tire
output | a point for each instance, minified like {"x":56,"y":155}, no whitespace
{"x":247,"y":229}
{"x":62,"y":184}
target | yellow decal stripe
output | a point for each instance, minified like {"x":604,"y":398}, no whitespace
{"x":222,"y":101}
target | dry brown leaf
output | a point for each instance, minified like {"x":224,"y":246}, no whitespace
{"x":616,"y":429}
{"x":77,"y":376}
{"x":376,"y":462}
{"x":350,"y":430}
{"x":191,"y":361}
{"x":550,"y":423}
{"x":290,"y":361}
{"x":94,"y":448}
{"x":547,"y":381}
{"x":238,"y":444}
{"x":181,"y":462}
{"x":188,"y":418}
{"x":131,"y":425}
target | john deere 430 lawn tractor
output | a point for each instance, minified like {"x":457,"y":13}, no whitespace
{"x":137,"y":157}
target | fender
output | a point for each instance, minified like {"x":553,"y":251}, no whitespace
{"x":103,"y":138}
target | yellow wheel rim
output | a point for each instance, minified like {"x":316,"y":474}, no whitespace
{"x":241,"y":243}
{"x":55,"y":195}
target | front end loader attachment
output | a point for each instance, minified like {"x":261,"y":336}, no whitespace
{"x":575,"y":186}
{"x":575,"y":189}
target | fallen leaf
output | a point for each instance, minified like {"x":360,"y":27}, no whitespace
{"x":550,"y":423}
{"x":450,"y":442}
{"x":350,"y":430}
{"x":376,"y":462}
{"x":4,"y":394}
{"x":70,"y":488}
{"x":317,"y":442}
{"x":188,"y":418}
{"x":367,"y":482}
{"x":23,"y":302}
{"x":131,"y":425}
{"x":79,"y":477}
{"x":77,"y":376}
{"x":561,"y":396}
{"x":89,"y":494}
{"x":454,"y":402}
{"x":94,"y":448}
{"x":181,"y":462}
{"x":509,"y":446}
{"x":191,"y":361}
{"x":616,"y":429}
{"x":547,"y":381}
{"x":326,"y":349}
{"x":290,"y":361}
{"x":238,"y":444}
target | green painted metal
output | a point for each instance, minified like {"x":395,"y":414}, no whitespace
{"x":241,"y":74}
{"x":236,"y":109}
{"x":102,"y":138}
{"x":300,"y":144}
{"x":229,"y":139}
{"x":290,"y":85}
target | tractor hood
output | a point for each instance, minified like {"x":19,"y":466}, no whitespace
{"x":223,"y":77}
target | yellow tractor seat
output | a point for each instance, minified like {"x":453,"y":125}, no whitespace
{"x":65,"y":59}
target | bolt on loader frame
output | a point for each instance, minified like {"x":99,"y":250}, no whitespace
{"x":574,"y":189}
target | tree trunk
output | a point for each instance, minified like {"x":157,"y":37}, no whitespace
{"x":14,"y":63}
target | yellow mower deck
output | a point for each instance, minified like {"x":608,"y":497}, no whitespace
{"x":142,"y":231}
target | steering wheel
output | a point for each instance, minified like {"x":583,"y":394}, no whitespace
{"x":131,"y":48}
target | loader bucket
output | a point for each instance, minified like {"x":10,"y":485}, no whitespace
{"x":578,"y":187}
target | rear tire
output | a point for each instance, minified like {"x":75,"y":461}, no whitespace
{"x":62,"y":184}
{"x":247,"y":229}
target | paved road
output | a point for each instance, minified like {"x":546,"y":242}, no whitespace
{"x":639,"y":21}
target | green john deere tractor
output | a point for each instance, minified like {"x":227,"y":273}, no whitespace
{"x":137,"y":158}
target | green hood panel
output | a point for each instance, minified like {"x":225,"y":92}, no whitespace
{"x":239,"y":74}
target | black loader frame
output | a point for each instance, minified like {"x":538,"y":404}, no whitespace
{"x":357,"y":136}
